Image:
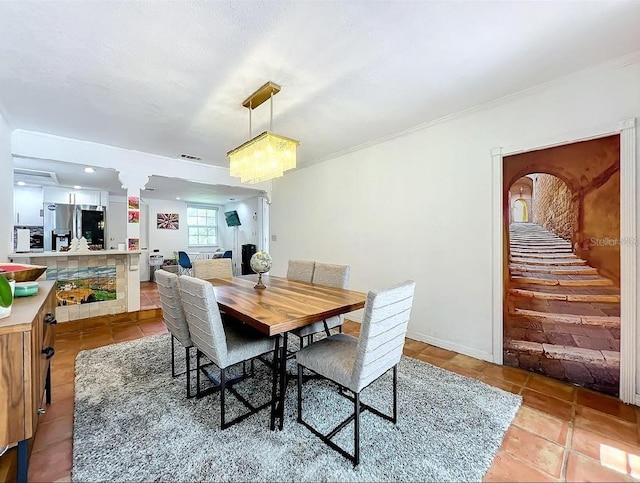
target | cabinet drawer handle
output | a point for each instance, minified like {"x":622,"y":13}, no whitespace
{"x":48,"y":351}
{"x":50,"y":319}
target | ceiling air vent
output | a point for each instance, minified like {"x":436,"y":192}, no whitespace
{"x":191,"y":157}
{"x":35,"y":174}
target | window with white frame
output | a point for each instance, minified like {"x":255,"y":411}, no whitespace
{"x":202,"y":223}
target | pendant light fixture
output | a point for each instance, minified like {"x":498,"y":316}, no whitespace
{"x":267,"y":155}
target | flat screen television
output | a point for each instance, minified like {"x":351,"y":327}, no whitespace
{"x":232,"y":218}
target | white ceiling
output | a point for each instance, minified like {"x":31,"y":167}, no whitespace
{"x":169,"y":77}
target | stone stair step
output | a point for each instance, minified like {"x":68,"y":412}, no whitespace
{"x":539,"y":244}
{"x":582,"y":281}
{"x":548,"y":261}
{"x":604,"y":309}
{"x":517,"y":253}
{"x":538,"y":241}
{"x":570,"y":294}
{"x":553,"y":269}
{"x":530,"y":246}
{"x":559,"y":318}
{"x":560,"y":352}
{"x":534,"y":253}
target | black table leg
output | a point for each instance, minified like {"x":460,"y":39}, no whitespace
{"x":23,"y":461}
{"x":279,"y":387}
{"x":283,"y":380}
{"x":274,"y":382}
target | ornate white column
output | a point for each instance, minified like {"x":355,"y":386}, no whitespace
{"x":133,"y":182}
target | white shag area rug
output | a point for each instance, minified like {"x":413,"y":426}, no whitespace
{"x":132,"y":422}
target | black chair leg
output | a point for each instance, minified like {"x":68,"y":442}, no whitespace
{"x":173,"y":359}
{"x":223,"y":383}
{"x":356,"y":429}
{"x":198,"y":372}
{"x":299,"y":393}
{"x":188,"y":362}
{"x":395,"y":394}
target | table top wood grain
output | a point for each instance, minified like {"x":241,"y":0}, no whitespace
{"x":285,"y":304}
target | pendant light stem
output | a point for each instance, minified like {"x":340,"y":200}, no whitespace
{"x":271,"y":121}
{"x":250,"y":120}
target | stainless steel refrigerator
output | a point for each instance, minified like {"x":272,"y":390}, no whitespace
{"x":63,"y":222}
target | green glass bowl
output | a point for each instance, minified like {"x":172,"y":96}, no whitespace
{"x":25,"y":289}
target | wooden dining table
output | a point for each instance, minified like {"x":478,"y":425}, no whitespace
{"x":282,"y":306}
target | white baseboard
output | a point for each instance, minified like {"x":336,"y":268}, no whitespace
{"x":637,"y":401}
{"x":355,"y":317}
{"x":444,"y":344}
{"x":452,"y":346}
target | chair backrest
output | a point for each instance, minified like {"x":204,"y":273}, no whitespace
{"x":204,"y":320}
{"x":183,"y":260}
{"x":227,"y":254}
{"x":172,"y":311}
{"x":384,"y":327}
{"x":301,"y":270}
{"x":331,"y":275}
{"x":212,"y":268}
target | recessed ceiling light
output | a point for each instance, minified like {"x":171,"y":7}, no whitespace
{"x":77,"y":187}
{"x":21,"y":183}
{"x":177,"y":197}
{"x":89,"y":170}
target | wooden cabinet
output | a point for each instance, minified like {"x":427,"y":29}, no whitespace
{"x":26,"y":347}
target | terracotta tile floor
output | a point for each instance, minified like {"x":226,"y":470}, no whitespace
{"x":561,"y":433}
{"x":149,"y":298}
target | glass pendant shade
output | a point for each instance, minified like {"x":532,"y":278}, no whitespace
{"x":262,"y":158}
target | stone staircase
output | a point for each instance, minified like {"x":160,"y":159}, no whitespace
{"x":562,"y":318}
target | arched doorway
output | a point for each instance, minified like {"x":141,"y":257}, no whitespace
{"x":520,"y":213}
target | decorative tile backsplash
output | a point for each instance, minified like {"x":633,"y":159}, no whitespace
{"x":88,"y":286}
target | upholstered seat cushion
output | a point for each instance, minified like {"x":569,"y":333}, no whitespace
{"x":332,"y":357}
{"x":244,"y":343}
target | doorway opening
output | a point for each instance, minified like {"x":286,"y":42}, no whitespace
{"x":561,"y":306}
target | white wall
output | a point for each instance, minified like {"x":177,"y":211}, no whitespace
{"x":167,"y":241}
{"x":419,"y":206}
{"x":248,"y":229}
{"x":6,"y":189}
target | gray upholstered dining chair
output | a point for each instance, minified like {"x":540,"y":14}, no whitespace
{"x":354,"y":363}
{"x":212,"y":268}
{"x":301,"y":270}
{"x":174,"y":319}
{"x":332,"y":276}
{"x":224,"y":345}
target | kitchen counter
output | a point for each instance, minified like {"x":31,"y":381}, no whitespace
{"x":90,"y":283}
{"x":74,"y":254}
